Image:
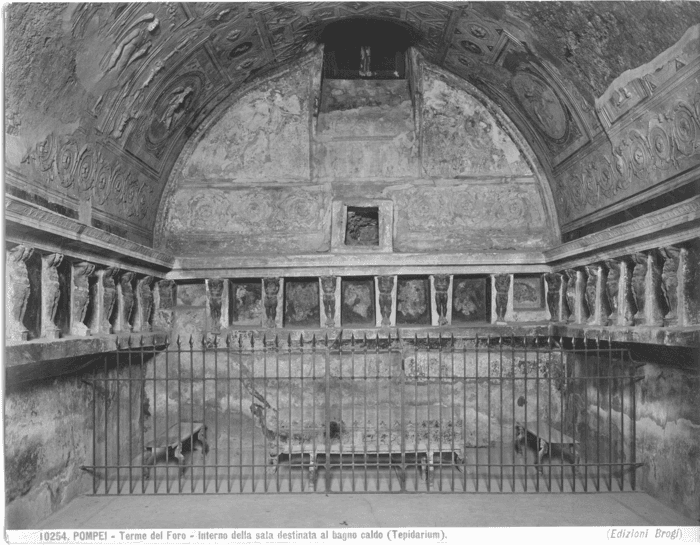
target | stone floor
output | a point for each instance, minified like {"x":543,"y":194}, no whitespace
{"x":365,"y":510}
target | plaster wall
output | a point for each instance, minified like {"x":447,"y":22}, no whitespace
{"x":49,"y":434}
{"x":665,"y":417}
{"x":262,"y":179}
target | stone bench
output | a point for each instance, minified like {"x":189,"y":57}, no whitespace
{"x":179,"y":437}
{"x":549,"y":441}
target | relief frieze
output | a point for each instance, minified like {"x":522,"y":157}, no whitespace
{"x":87,"y":171}
{"x":496,"y":216}
{"x":252,"y":212}
{"x":661,"y":144}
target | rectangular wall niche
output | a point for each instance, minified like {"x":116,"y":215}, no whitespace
{"x":528,"y":292}
{"x":362,"y":225}
{"x":413,"y":301}
{"x":301,"y":302}
{"x":471,"y":299}
{"x":357,"y":302}
{"x":245,"y":302}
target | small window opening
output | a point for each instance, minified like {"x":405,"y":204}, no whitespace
{"x":362,"y":226}
{"x":365,"y":49}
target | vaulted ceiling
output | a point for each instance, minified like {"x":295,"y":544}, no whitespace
{"x":139,"y":78}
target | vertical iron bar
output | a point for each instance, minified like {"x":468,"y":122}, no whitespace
{"x":266,"y":454}
{"x":119,"y":443}
{"x":512,"y":395}
{"x":106,"y":395}
{"x":390,"y":425}
{"x":500,"y":422}
{"x":550,"y":372}
{"x":167,"y":467}
{"x":204,"y":412}
{"x":621,"y":383}
{"x":377,"y":432}
{"x":452,"y":434}
{"x":476,"y":417}
{"x":179,"y":403}
{"x":340,"y":409}
{"x":314,"y":455}
{"x":439,"y":398}
{"x":416,"y":430}
{"x":610,"y":387}
{"x":402,"y":377}
{"x":277,"y":426}
{"x":94,"y":430}
{"x":597,"y":420}
{"x":228,"y":411}
{"x":240,"y":413}
{"x":633,"y":418}
{"x":488,"y":420}
{"x":289,"y":385}
{"x":574,"y":405}
{"x":327,"y":418}
{"x":364,"y":414}
{"x":431,"y":467}
{"x":584,"y":380}
{"x":132,"y":487}
{"x":154,"y":416}
{"x":537,"y":412}
{"x":563,"y":416}
{"x":352,"y":405}
{"x":142,"y":420}
{"x":302,"y":437}
{"x":216,"y":414}
{"x":192,"y":403}
{"x":524,"y":411}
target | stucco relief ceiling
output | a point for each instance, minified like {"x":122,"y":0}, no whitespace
{"x":141,"y":77}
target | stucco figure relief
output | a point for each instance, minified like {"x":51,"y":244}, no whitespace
{"x":442,"y":284}
{"x":143,"y":304}
{"x":135,"y":44}
{"x":669,"y":277}
{"x":17,"y":292}
{"x":272,"y":288}
{"x":215,"y":290}
{"x":103,"y":295}
{"x":541,"y":104}
{"x":612,"y":288}
{"x":125,"y":301}
{"x":80,"y":297}
{"x":639,"y":286}
{"x":50,"y":295}
{"x":386,"y":287}
{"x":328,"y":285}
{"x":554,"y":283}
{"x":502,"y":284}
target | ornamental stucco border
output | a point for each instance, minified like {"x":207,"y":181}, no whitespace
{"x":507,"y":125}
{"x":225,"y":102}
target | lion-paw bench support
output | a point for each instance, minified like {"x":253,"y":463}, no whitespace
{"x":554,"y":438}
{"x":172,"y":441}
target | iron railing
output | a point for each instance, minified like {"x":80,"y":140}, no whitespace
{"x":257,"y":414}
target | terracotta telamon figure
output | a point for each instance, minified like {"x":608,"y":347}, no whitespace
{"x":442,"y":284}
{"x":502,"y":282}
{"x":272,"y":288}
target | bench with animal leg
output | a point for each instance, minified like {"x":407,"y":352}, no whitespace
{"x":549,"y":442}
{"x":178,"y":439}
